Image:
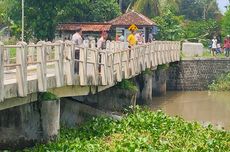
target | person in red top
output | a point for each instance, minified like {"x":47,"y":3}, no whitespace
{"x":227,"y":46}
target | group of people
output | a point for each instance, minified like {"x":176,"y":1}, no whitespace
{"x":134,"y":38}
{"x":216,"y":47}
{"x":78,"y":40}
{"x":138,"y":38}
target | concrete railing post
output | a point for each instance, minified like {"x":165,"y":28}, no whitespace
{"x":83,"y":66}
{"x":21,"y":69}
{"x":41,"y":67}
{"x":59,"y":72}
{"x":69,"y":56}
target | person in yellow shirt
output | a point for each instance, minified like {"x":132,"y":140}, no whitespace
{"x":132,"y":39}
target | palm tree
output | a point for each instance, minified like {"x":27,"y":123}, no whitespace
{"x":164,"y":4}
{"x":153,"y":8}
{"x":149,"y":8}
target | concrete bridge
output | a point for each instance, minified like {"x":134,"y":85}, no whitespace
{"x":26,"y":69}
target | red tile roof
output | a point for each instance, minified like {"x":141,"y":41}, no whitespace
{"x":86,"y":27}
{"x":132,"y":18}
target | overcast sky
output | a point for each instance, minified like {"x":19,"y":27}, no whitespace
{"x":222,"y":4}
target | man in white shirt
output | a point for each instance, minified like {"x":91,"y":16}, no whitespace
{"x":214,"y":45}
{"x":101,"y":40}
{"x":101,"y":45}
{"x":77,"y":39}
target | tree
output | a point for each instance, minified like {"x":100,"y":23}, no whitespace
{"x":149,"y":8}
{"x":173,"y":5}
{"x":210,"y":8}
{"x":42,"y":17}
{"x":199,"y":9}
{"x":225,"y":24}
{"x":104,"y":10}
{"x":203,"y":29}
{"x":170,"y":26}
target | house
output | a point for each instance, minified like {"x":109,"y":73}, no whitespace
{"x":119,"y":25}
{"x":122,"y":23}
{"x":93,"y":29}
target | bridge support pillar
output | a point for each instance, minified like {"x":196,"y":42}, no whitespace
{"x":159,"y":82}
{"x":144,"y":83}
{"x":25,"y":125}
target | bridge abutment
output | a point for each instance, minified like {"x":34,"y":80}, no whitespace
{"x":28,"y":124}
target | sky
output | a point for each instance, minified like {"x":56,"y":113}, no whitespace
{"x":222,"y":4}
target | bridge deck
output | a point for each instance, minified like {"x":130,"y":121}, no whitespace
{"x":45,"y":65}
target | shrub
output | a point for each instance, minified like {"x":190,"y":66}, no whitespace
{"x":47,"y":96}
{"x":222,"y":83}
{"x":127,"y":85}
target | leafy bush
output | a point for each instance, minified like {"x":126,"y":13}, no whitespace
{"x":47,"y":96}
{"x":127,"y":85}
{"x":163,"y":67}
{"x":147,"y":71}
{"x":142,"y":130}
{"x":222,"y":83}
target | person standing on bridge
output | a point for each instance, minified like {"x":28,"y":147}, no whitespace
{"x":101,"y":44}
{"x":101,"y":41}
{"x":214,"y":45}
{"x":132,"y":39}
{"x":227,"y":46}
{"x":78,"y":41}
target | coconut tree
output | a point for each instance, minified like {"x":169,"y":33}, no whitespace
{"x":172,"y":4}
{"x":149,"y":8}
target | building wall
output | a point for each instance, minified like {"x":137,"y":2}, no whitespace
{"x":195,"y":74}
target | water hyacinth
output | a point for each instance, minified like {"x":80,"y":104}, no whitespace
{"x":142,"y":130}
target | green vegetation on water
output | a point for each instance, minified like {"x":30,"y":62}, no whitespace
{"x":142,"y":130}
{"x":222,"y":83}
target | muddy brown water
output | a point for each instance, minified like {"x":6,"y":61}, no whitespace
{"x":201,"y":106}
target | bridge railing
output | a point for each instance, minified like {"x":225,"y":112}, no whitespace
{"x":92,"y":67}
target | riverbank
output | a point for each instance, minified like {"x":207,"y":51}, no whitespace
{"x":142,"y":131}
{"x":222,"y":83}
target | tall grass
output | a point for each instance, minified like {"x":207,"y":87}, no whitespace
{"x":222,"y":83}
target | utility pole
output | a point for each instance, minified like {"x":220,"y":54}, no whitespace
{"x":22,"y":36}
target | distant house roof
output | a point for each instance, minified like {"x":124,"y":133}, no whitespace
{"x":85,"y":26}
{"x":132,"y":18}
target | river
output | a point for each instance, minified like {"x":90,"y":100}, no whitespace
{"x":201,"y":106}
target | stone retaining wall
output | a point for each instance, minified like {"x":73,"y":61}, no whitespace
{"x":195,"y":74}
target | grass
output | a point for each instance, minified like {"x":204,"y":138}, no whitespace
{"x":141,"y":131}
{"x":222,"y":83}
{"x":205,"y":54}
{"x":12,"y":52}
{"x":208,"y":54}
